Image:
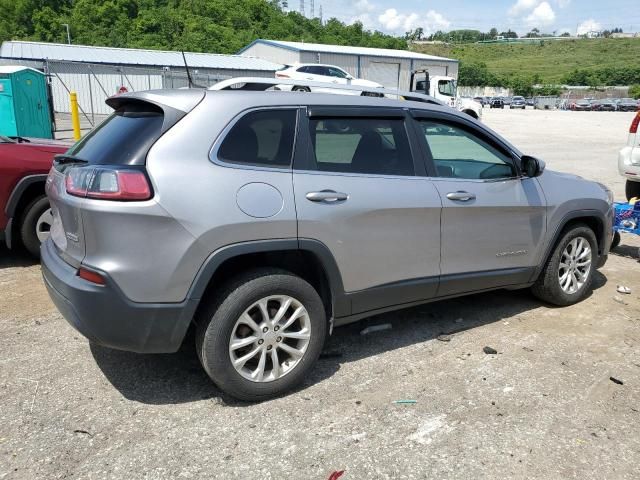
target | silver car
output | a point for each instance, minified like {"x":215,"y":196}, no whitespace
{"x":265,"y":219}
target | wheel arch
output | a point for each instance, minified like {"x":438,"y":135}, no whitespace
{"x":471,"y":113}
{"x":309,"y":259}
{"x":27,"y":189}
{"x":594,"y":219}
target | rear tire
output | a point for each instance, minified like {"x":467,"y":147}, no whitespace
{"x":632,"y":189}
{"x":549,"y":286}
{"x":222,"y":325}
{"x":616,"y":240}
{"x":35,"y":225}
{"x":301,"y":89}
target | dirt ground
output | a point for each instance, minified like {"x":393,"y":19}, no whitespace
{"x":544,"y":407}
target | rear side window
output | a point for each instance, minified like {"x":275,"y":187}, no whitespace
{"x":361,"y":145}
{"x":262,"y":138}
{"x":124,"y":138}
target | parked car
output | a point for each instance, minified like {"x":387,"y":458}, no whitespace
{"x":480,"y":100}
{"x":507,"y":100}
{"x":496,"y":102}
{"x":326,"y":74}
{"x":605,"y":105}
{"x":531,"y":102}
{"x":628,"y":105}
{"x":518,"y":102}
{"x":629,"y":160}
{"x":581,"y":105}
{"x":25,"y":216}
{"x":144,"y":246}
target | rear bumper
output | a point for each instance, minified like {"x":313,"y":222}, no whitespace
{"x":106,"y":317}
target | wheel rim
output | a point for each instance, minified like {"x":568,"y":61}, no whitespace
{"x":575,"y":265}
{"x":270,"y":338}
{"x":43,"y":225}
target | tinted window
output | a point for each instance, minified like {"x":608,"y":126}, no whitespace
{"x":303,"y":69}
{"x":361,"y":145}
{"x":124,"y":138}
{"x":458,"y":153}
{"x":336,"y":72}
{"x":261,"y":138}
{"x":317,"y":70}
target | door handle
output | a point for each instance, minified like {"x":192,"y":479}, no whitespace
{"x":461,"y":196}
{"x":327,"y":196}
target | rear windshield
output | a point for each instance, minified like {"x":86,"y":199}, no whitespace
{"x":124,"y":138}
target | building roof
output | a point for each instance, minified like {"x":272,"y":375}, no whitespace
{"x":346,"y":50}
{"x":8,"y":69}
{"x":130,"y":56}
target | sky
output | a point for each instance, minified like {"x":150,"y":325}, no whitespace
{"x":400,"y":16}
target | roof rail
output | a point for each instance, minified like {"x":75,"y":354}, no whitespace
{"x":259,"y":84}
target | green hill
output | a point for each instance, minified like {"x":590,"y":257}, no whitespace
{"x":552,"y":61}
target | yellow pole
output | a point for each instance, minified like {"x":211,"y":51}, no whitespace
{"x":75,"y":116}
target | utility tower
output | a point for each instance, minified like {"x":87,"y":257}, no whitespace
{"x":313,"y":9}
{"x":320,"y":14}
{"x":302,"y":7}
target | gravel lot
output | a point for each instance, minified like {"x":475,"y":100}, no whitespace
{"x":543,"y":407}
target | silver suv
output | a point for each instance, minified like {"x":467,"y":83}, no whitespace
{"x":264,"y":219}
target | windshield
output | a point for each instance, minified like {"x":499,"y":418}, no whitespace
{"x":447,"y":87}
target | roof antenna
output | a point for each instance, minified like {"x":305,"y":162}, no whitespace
{"x":186,"y":67}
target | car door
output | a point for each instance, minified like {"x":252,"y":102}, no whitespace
{"x":357,"y":192}
{"x":493,"y":219}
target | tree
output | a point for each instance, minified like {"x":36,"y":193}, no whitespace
{"x":634,"y":91}
{"x":414,"y":35}
{"x":493,"y":33}
{"x":534,"y":33}
{"x":509,"y":34}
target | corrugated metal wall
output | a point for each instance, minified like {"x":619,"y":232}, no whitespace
{"x":273,"y":54}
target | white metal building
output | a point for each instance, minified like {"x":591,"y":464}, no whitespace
{"x":391,"y":68}
{"x":96,"y":73}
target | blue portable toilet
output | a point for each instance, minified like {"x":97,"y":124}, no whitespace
{"x":24,"y":103}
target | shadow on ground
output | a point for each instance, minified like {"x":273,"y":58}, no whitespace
{"x":179,"y":378}
{"x":12,"y":258}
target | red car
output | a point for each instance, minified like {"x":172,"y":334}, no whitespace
{"x":25,"y":216}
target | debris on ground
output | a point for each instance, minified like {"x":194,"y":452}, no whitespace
{"x":623,"y":289}
{"x":490,"y":351}
{"x":376,"y":328}
{"x":405,"y":402}
{"x":616,"y":381}
{"x":619,"y":300}
{"x":84,"y":432}
{"x":336,"y":475}
{"x":443,"y":337}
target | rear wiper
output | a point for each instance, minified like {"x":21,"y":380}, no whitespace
{"x":64,"y":158}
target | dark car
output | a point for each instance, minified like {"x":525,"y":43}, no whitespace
{"x":518,"y":102}
{"x":581,"y":106}
{"x":496,"y":102}
{"x":531,"y":102}
{"x":628,"y":105}
{"x":481,"y":100}
{"x":25,"y":216}
{"x":604,"y":106}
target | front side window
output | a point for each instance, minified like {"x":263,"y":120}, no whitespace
{"x":361,"y":145}
{"x":336,"y":72}
{"x":459,"y":153}
{"x":447,"y":87}
{"x":262,"y":138}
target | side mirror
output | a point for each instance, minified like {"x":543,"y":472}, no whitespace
{"x":349,"y":77}
{"x":531,"y":166}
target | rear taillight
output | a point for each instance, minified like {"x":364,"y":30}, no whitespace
{"x":108,"y":184}
{"x":282,"y":75}
{"x":91,"y":276}
{"x":635,"y":123}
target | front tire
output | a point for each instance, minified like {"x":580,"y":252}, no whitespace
{"x":36,"y":225}
{"x":568,"y":275}
{"x":632,"y":189}
{"x":301,"y":89}
{"x":261,"y":336}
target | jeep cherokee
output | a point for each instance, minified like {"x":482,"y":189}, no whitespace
{"x":264,"y":219}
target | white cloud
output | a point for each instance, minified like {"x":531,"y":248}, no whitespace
{"x":394,"y":21}
{"x":541,"y":16}
{"x":522,"y":6}
{"x":563,"y":3}
{"x":363,"y":6}
{"x":588,"y":26}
